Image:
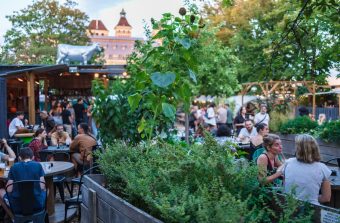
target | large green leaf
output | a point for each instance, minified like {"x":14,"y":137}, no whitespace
{"x":163,"y":79}
{"x":192,"y":76}
{"x":169,"y":110}
{"x":134,"y":101}
{"x":185,"y":42}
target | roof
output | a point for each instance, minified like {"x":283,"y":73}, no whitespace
{"x":97,"y":25}
{"x":123,"y":21}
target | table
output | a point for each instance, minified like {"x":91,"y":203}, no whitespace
{"x":26,"y":137}
{"x":335,"y":185}
{"x":52,"y":150}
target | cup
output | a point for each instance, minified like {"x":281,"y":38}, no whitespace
{"x":2,"y":169}
{"x":10,"y":162}
{"x":47,"y":167}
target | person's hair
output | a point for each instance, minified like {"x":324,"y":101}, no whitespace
{"x":26,"y":153}
{"x":59,"y":125}
{"x":79,"y":99}
{"x":242,"y":109}
{"x":85,"y":127}
{"x":269,"y":140}
{"x":212,"y":105}
{"x":38,"y":132}
{"x":19,"y":113}
{"x":248,"y":120}
{"x":260,"y":126}
{"x":263,"y":105}
{"x":227,"y":104}
{"x":307,"y":149}
{"x":223,"y":130}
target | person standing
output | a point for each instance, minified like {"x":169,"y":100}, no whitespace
{"x":262,"y":116}
{"x":79,"y":110}
{"x":17,"y":126}
{"x":47,"y":122}
{"x":221,"y":115}
{"x":209,"y":118}
{"x":230,"y":117}
{"x":240,"y":119}
{"x":67,"y":118}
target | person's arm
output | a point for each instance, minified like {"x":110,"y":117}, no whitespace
{"x":9,"y":188}
{"x":74,"y":145}
{"x":262,"y":163}
{"x":326,"y":192}
{"x":10,"y":152}
{"x":54,"y":140}
{"x":42,"y":185}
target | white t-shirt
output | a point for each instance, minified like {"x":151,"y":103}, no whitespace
{"x":16,"y":122}
{"x":244,"y":132}
{"x":304,"y":180}
{"x":259,"y":117}
{"x":211,"y":117}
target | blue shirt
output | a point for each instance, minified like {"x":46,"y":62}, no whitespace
{"x":26,"y":171}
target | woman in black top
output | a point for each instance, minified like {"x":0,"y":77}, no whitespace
{"x":240,"y":119}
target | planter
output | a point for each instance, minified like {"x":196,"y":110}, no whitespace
{"x":101,"y":205}
{"x":327,"y":150}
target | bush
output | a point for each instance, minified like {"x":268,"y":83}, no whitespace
{"x":276,"y":120}
{"x":200,"y":183}
{"x":330,"y":131}
{"x":299,"y":125}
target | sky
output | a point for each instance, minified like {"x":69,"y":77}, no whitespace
{"x":105,"y":10}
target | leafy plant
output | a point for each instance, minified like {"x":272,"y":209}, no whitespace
{"x":301,"y":124}
{"x":330,"y":131}
{"x":276,"y":120}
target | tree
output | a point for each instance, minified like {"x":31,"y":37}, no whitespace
{"x":280,"y":40}
{"x":38,"y":29}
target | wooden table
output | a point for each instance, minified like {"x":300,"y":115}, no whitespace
{"x":25,"y":137}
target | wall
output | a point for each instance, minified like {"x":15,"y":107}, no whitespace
{"x":3,"y":108}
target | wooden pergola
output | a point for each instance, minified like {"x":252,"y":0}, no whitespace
{"x":269,"y":87}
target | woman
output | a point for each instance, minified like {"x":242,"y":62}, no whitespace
{"x":256,"y":142}
{"x":239,"y":121}
{"x":56,"y":113}
{"x":270,"y":167}
{"x":304,"y":175}
{"x":38,"y":143}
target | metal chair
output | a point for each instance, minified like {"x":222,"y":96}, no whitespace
{"x":59,"y":180}
{"x":74,"y":202}
{"x":24,"y":202}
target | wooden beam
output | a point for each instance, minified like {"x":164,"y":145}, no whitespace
{"x":31,"y":98}
{"x":273,"y":88}
{"x":314,"y":85}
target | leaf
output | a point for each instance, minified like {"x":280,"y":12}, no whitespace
{"x":185,"y":42}
{"x":141,"y":125}
{"x":134,"y":101}
{"x":169,"y":110}
{"x":163,"y":79}
{"x":192,"y":76}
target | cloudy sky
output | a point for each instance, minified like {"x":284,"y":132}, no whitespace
{"x":106,"y":10}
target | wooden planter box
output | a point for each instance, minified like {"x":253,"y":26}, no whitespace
{"x":327,"y":150}
{"x":100,"y":205}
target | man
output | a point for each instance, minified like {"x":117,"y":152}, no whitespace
{"x":262,"y":116}
{"x":230,"y":117}
{"x":60,"y":137}
{"x":247,"y":132}
{"x":221,"y":115}
{"x":67,"y":118}
{"x":47,"y":122}
{"x":26,"y":169}
{"x":4,"y":146}
{"x":82,"y":145}
{"x":79,"y":109}
{"x":16,"y":126}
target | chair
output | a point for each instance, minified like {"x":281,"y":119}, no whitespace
{"x":337,"y":160}
{"x":74,"y":202}
{"x":59,"y":180}
{"x":24,"y":204}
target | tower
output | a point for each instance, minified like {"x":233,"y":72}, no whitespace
{"x":123,"y":28}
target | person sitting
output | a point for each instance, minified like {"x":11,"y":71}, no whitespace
{"x":322,"y":119}
{"x":47,"y":122}
{"x":38,"y":143}
{"x":16,"y":126}
{"x":305,"y":176}
{"x":256,"y":142}
{"x":270,"y":167}
{"x":82,"y":145}
{"x":223,"y":131}
{"x":247,"y":132}
{"x":26,"y":169}
{"x":60,"y":137}
{"x":4,"y":146}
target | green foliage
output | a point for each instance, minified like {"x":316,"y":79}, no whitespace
{"x":200,"y":183}
{"x":113,"y":113}
{"x":276,"y":120}
{"x":330,"y":131}
{"x":301,"y":124}
{"x":38,"y":29}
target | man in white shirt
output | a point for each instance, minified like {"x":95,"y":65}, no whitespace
{"x":262,"y":116}
{"x":247,"y":132}
{"x":16,"y":125}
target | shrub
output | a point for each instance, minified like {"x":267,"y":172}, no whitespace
{"x":276,"y":120}
{"x":301,"y":124}
{"x":330,"y":131}
{"x":200,"y":183}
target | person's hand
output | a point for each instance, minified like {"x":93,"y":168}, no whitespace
{"x":4,"y":141}
{"x":280,"y":169}
{"x":26,"y":122}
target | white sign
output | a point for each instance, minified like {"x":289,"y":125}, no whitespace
{"x":329,"y":217}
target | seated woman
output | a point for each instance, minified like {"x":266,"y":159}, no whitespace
{"x":270,"y":167}
{"x":82,"y":145}
{"x":256,"y":142}
{"x":304,"y":175}
{"x":38,"y":143}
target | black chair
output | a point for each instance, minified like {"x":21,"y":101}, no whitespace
{"x":59,"y":181}
{"x":24,"y":203}
{"x":74,"y":202}
{"x":337,"y":160}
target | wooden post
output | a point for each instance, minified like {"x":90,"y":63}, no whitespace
{"x":46,"y":84}
{"x":314,"y":100}
{"x":31,"y":98}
